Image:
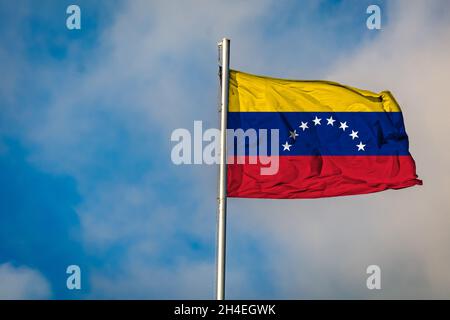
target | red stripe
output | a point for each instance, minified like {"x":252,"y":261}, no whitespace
{"x":321,"y":176}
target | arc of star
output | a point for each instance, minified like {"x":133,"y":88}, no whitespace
{"x":361,"y":146}
{"x":304,"y":126}
{"x":354,"y":135}
{"x":293,"y":134}
{"x":343,"y":125}
{"x":330,"y":121}
{"x":317,"y":121}
{"x":286,"y":146}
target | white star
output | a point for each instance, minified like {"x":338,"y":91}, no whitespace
{"x":317,"y":121}
{"x":286,"y":146}
{"x":293,"y":134}
{"x":354,"y":135}
{"x":361,"y":146}
{"x":330,"y":121}
{"x":343,"y":125}
{"x":304,"y":125}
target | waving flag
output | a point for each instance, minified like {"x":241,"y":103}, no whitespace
{"x":334,"y":140}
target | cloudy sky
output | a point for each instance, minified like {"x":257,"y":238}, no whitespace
{"x":86,"y":176}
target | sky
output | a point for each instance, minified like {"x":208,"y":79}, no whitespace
{"x":87,"y":179}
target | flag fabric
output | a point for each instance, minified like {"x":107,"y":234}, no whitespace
{"x":334,"y":140}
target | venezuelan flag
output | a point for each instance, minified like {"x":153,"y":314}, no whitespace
{"x":334,"y":139}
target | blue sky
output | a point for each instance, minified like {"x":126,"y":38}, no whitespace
{"x":85,"y":123}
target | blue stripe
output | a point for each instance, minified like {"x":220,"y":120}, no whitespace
{"x":382,"y":133}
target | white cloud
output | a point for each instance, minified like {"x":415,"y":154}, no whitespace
{"x":157,"y":71}
{"x":144,"y":281}
{"x":22,"y":283}
{"x":321,"y":248}
{"x":143,"y":84}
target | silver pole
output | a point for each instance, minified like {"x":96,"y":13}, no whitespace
{"x":222,"y":193}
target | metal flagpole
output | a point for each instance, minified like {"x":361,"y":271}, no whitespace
{"x":222,"y":192}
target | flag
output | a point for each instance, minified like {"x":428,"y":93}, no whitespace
{"x":334,"y":140}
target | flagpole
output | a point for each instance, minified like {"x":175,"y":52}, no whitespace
{"x":224,"y":48}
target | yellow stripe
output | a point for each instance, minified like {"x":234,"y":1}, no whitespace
{"x":256,"y":93}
